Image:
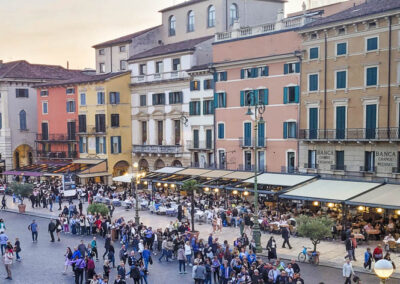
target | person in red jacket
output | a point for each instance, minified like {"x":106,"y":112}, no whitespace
{"x":378,"y":253}
{"x":90,"y":267}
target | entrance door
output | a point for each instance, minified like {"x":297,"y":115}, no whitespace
{"x":370,"y":123}
{"x":261,"y":161}
{"x":313,"y":123}
{"x":247,"y":161}
{"x":290,"y":162}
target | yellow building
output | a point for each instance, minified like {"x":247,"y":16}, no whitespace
{"x":350,"y":96}
{"x":105,"y":132}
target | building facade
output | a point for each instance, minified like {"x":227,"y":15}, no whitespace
{"x":350,"y":96}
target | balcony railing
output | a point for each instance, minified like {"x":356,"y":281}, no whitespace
{"x":57,"y":155}
{"x":56,"y":137}
{"x":250,"y":168}
{"x":199,"y":145}
{"x":338,"y":168}
{"x":311,"y":166}
{"x":91,"y":130}
{"x":203,"y":166}
{"x":159,"y":76}
{"x":351,"y":134}
{"x":371,"y":169}
{"x":245,"y":142}
{"x":289,"y":169}
{"x":157,"y":149}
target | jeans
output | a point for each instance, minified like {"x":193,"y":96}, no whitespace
{"x":208,"y":281}
{"x":143,"y":278}
{"x":286,"y":241}
{"x":349,"y":254}
{"x":146,"y":263}
{"x":17,"y":255}
{"x":78,"y":275}
{"x":348,"y":280}
{"x":182,"y":264}
{"x":189,"y":258}
{"x":164,"y":253}
{"x":34,"y":236}
{"x":3,"y":246}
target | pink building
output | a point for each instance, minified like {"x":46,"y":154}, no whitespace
{"x":266,"y":64}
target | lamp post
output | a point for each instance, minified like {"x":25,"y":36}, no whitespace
{"x":259,"y":108}
{"x":383,"y":269}
{"x":137,"y":178}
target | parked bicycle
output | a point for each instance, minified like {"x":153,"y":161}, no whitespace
{"x":311,"y":256}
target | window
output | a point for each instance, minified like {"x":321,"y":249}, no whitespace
{"x":247,"y":134}
{"x":249,"y":73}
{"x":371,"y":76}
{"x":83,"y":99}
{"x":175,"y":98}
{"x":219,"y":100}
{"x":115,"y":120}
{"x":70,"y":91}
{"x":314,"y":36}
{"x":339,"y":160}
{"x":194,"y":85}
{"x":209,"y":139}
{"x":211,"y":16}
{"x":82,"y":123}
{"x":102,"y":68}
{"x":144,"y":132}
{"x":233,"y":14}
{"x":101,"y":98}
{"x":313,"y":122}
{"x":372,"y":43}
{"x":71,"y":130}
{"x":194,"y":108}
{"x":171,"y":26}
{"x":159,"y":67}
{"x":314,"y":53}
{"x":190,"y":21}
{"x":340,"y":122}
{"x":22,"y":120}
{"x":369,"y":163}
{"x":143,"y":100}
{"x":122,"y":48}
{"x":312,"y":159}
{"x":370,"y":121}
{"x":122,"y":65}
{"x":115,"y":144}
{"x":247,"y":161}
{"x":101,"y":145}
{"x":341,"y":79}
{"x":83,"y":145}
{"x":45,"y":131}
{"x":221,"y":131}
{"x":341,"y":31}
{"x":289,"y":129}
{"x":312,"y":82}
{"x":372,"y":25}
{"x":158,"y":99}
{"x":341,"y":48}
{"x":208,"y":107}
{"x":290,"y":68}
{"x":177,"y":132}
{"x":22,"y":93}
{"x":102,"y":51}
{"x":70,"y":106}
{"x":45,"y":109}
{"x":208,"y":84}
{"x":160,"y":132}
{"x":142,"y":69}
{"x":196,"y":138}
{"x":44,"y":93}
{"x":291,"y":94}
{"x":261,"y":134}
{"x":114,"y":98}
{"x":176,"y":64}
{"x":100,"y":121}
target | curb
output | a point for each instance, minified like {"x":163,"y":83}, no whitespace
{"x":38,"y":215}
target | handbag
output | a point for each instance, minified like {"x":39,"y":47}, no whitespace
{"x":150,"y":260}
{"x":356,"y":279}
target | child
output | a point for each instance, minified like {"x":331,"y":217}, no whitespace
{"x":367,"y":259}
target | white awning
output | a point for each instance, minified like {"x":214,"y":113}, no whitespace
{"x":193,"y":172}
{"x":168,"y":170}
{"x":124,"y":178}
{"x":330,"y":190}
{"x":88,"y":161}
{"x":90,"y":175}
{"x":385,"y":196}
{"x":216,"y":174}
{"x":279,"y":179}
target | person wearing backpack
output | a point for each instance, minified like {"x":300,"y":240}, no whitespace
{"x":134,"y":273}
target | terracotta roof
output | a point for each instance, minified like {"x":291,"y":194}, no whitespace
{"x":171,"y":48}
{"x":365,"y":9}
{"x":82,"y":78}
{"x":200,"y":67}
{"x":24,"y":70}
{"x":123,"y":39}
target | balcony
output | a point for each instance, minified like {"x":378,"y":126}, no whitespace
{"x":199,"y":145}
{"x":56,"y":155}
{"x":157,"y":149}
{"x":173,"y":75}
{"x":91,"y":130}
{"x":351,"y":134}
{"x":248,"y":142}
{"x":204,"y":166}
{"x":338,"y":168}
{"x":250,"y":168}
{"x":56,"y":138}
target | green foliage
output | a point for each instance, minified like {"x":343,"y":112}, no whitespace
{"x":190,"y":185}
{"x":95,"y":208}
{"x":22,"y":189}
{"x":315,"y":228}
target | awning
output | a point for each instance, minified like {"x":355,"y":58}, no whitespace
{"x":100,"y":174}
{"x":192,"y":172}
{"x":216,"y":174}
{"x":385,"y":196}
{"x":124,"y":178}
{"x":168,"y":170}
{"x":88,"y":161}
{"x":279,"y":179}
{"x":239,"y":175}
{"x":330,"y":190}
{"x":23,"y":173}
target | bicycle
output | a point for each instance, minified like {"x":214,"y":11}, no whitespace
{"x":312,"y":257}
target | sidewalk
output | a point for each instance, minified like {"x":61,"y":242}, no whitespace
{"x":332,"y":252}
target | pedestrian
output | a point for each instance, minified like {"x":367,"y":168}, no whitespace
{"x":17,"y":248}
{"x":94,"y":248}
{"x":33,"y":227}
{"x":285,"y":237}
{"x":367,"y":259}
{"x":3,"y":242}
{"x":146,"y":256}
{"x":123,"y":254}
{"x":121,"y":271}
{"x":68,"y":259}
{"x":107,"y":243}
{"x":378,"y":253}
{"x":199,"y":273}
{"x":181,"y":260}
{"x":111,"y":254}
{"x":354,"y":242}
{"x":79,"y":269}
{"x":188,"y":253}
{"x":106,"y":269}
{"x":3,"y":202}
{"x":349,"y":248}
{"x":8,"y":258}
{"x":2,"y":226}
{"x":58,"y":229}
{"x":271,"y":248}
{"x":51,"y":229}
{"x":119,"y":280}
{"x":90,"y":266}
{"x":347,"y":271}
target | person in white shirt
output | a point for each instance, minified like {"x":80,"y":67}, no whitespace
{"x":347,"y":271}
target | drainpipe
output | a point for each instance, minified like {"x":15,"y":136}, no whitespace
{"x":226,"y":15}
{"x":298,"y":54}
{"x":325,"y":74}
{"x":389,"y":75}
{"x":212,"y":71}
{"x":111,"y":57}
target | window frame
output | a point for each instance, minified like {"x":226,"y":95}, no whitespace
{"x":102,"y":51}
{"x":336,"y":48}
{"x":336,"y":79}
{"x":25,"y":93}
{"x":141,"y":100}
{"x":123,"y":65}
{"x":47,"y":107}
{"x":377,"y":43}
{"x":366,"y":77}
{"x":143,"y":69}
{"x":309,"y":53}
{"x":45,"y":92}
{"x":308,"y":82}
{"x":236,"y":16}
{"x":190,"y":24}
{"x":102,"y":67}
{"x":172,"y":25}
{"x":69,"y":103}
{"x":80,"y":99}
{"x":218,"y":134}
{"x":211,"y":21}
{"x":122,"y":48}
{"x":113,"y":116}
{"x":103,"y":98}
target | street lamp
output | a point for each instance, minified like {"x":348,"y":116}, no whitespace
{"x":383,"y":269}
{"x":137,"y":178}
{"x":259,"y":108}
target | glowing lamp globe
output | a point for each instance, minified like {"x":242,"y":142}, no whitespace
{"x":383,"y":269}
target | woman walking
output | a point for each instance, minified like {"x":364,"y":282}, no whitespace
{"x":8,"y":258}
{"x":68,"y":259}
{"x":271,"y":248}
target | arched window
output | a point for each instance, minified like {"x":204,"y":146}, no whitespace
{"x":190,"y":21}
{"x":233,"y":14}
{"x":211,"y":16}
{"x":171,"y":26}
{"x":22,"y":120}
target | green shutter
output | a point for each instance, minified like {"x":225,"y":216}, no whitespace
{"x":242,"y":98}
{"x":255,"y":98}
{"x":284,"y":130}
{"x":371,"y":121}
{"x":80,"y":144}
{"x":198,"y":106}
{"x":285,"y":95}
{"x":221,"y":134}
{"x":266,"y":92}
{"x":254,"y":72}
{"x":242,"y":73}
{"x":215,"y":77}
{"x":190,"y":108}
{"x":313,"y":122}
{"x":105,"y":145}
{"x":295,"y":130}
{"x":285,"y":68}
{"x":97,"y":145}
{"x":216,"y":100}
{"x":119,"y":145}
{"x":171,"y":98}
{"x":340,"y":122}
{"x":191,"y":85}
{"x":247,"y":133}
{"x":204,"y":107}
{"x":266,"y":71}
{"x":297,"y":67}
{"x":261,"y":134}
{"x":296,"y":94}
{"x":224,"y":99}
{"x":111,"y":145}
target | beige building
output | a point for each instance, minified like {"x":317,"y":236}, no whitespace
{"x":350,"y":96}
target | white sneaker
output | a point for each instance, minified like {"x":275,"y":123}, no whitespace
{"x":190,"y":264}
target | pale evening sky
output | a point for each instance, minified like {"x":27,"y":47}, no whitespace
{"x":57,"y":31}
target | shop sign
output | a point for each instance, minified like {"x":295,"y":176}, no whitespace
{"x":385,"y":159}
{"x":326,"y":157}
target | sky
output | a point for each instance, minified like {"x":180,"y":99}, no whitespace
{"x":57,"y":31}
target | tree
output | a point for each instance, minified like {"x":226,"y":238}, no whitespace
{"x":190,"y":186}
{"x":22,"y":190}
{"x":95,"y":208}
{"x":315,"y":228}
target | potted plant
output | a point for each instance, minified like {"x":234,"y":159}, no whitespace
{"x":22,"y":190}
{"x":190,"y":187}
{"x":100,"y":208}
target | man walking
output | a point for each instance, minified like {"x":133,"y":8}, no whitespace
{"x":33,"y":227}
{"x":52,"y":228}
{"x":3,"y":242}
{"x":285,"y":236}
{"x":349,"y":248}
{"x":347,"y":271}
{"x":107,"y":243}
